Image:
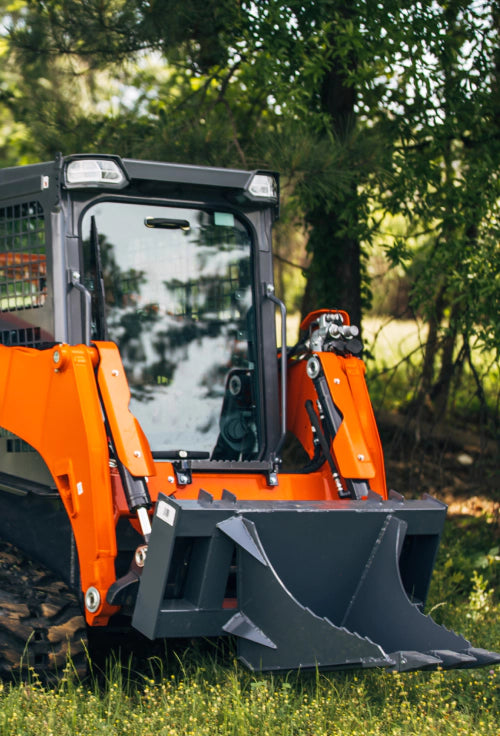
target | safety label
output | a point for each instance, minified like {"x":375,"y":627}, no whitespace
{"x":166,"y":513}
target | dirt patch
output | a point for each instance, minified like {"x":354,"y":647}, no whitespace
{"x":458,"y":467}
{"x":475,"y":506}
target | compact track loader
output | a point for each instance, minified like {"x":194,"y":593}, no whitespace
{"x":163,"y":466}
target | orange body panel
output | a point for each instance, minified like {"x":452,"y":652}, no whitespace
{"x":130,"y":442}
{"x":313,"y":487}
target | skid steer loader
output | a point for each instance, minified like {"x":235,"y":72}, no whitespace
{"x":164,"y":467}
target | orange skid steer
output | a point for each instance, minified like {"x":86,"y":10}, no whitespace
{"x":164,"y":467}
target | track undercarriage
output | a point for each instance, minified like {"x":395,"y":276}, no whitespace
{"x":42,"y":626}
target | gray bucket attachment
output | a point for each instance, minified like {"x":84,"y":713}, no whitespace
{"x":333,"y":585}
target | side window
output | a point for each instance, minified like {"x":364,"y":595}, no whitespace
{"x":23,"y":269}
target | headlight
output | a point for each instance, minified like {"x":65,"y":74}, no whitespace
{"x":95,"y":172}
{"x":263,"y":186}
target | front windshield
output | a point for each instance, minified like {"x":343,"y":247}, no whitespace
{"x":178,"y":302}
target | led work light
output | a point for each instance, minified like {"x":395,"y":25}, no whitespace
{"x":94,"y":172}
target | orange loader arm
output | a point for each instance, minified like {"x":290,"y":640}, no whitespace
{"x":356,"y":447}
{"x":54,"y":400}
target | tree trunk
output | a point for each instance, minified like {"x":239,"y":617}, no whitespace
{"x":440,"y":392}
{"x":334,"y":274}
{"x":333,"y":277}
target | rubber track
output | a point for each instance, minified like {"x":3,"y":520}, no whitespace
{"x":41,"y":622}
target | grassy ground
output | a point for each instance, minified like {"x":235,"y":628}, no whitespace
{"x":205,"y":691}
{"x":208,"y":699}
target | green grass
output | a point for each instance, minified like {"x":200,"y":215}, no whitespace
{"x":198,"y":693}
{"x":214,"y":700}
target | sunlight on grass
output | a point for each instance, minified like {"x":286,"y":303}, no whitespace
{"x":215,"y":700}
{"x":391,"y":340}
{"x":394,"y":351}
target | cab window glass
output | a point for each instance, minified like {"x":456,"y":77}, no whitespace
{"x":173,"y":286}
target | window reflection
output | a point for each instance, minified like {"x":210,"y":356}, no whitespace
{"x":178,"y":303}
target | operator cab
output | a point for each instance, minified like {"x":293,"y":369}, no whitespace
{"x":176,"y":263}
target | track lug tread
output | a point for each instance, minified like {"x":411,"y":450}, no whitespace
{"x":41,"y":622}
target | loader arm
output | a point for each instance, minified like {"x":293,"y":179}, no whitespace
{"x":52,"y":400}
{"x":336,"y":386}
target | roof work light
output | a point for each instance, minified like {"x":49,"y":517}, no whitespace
{"x":95,"y":172}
